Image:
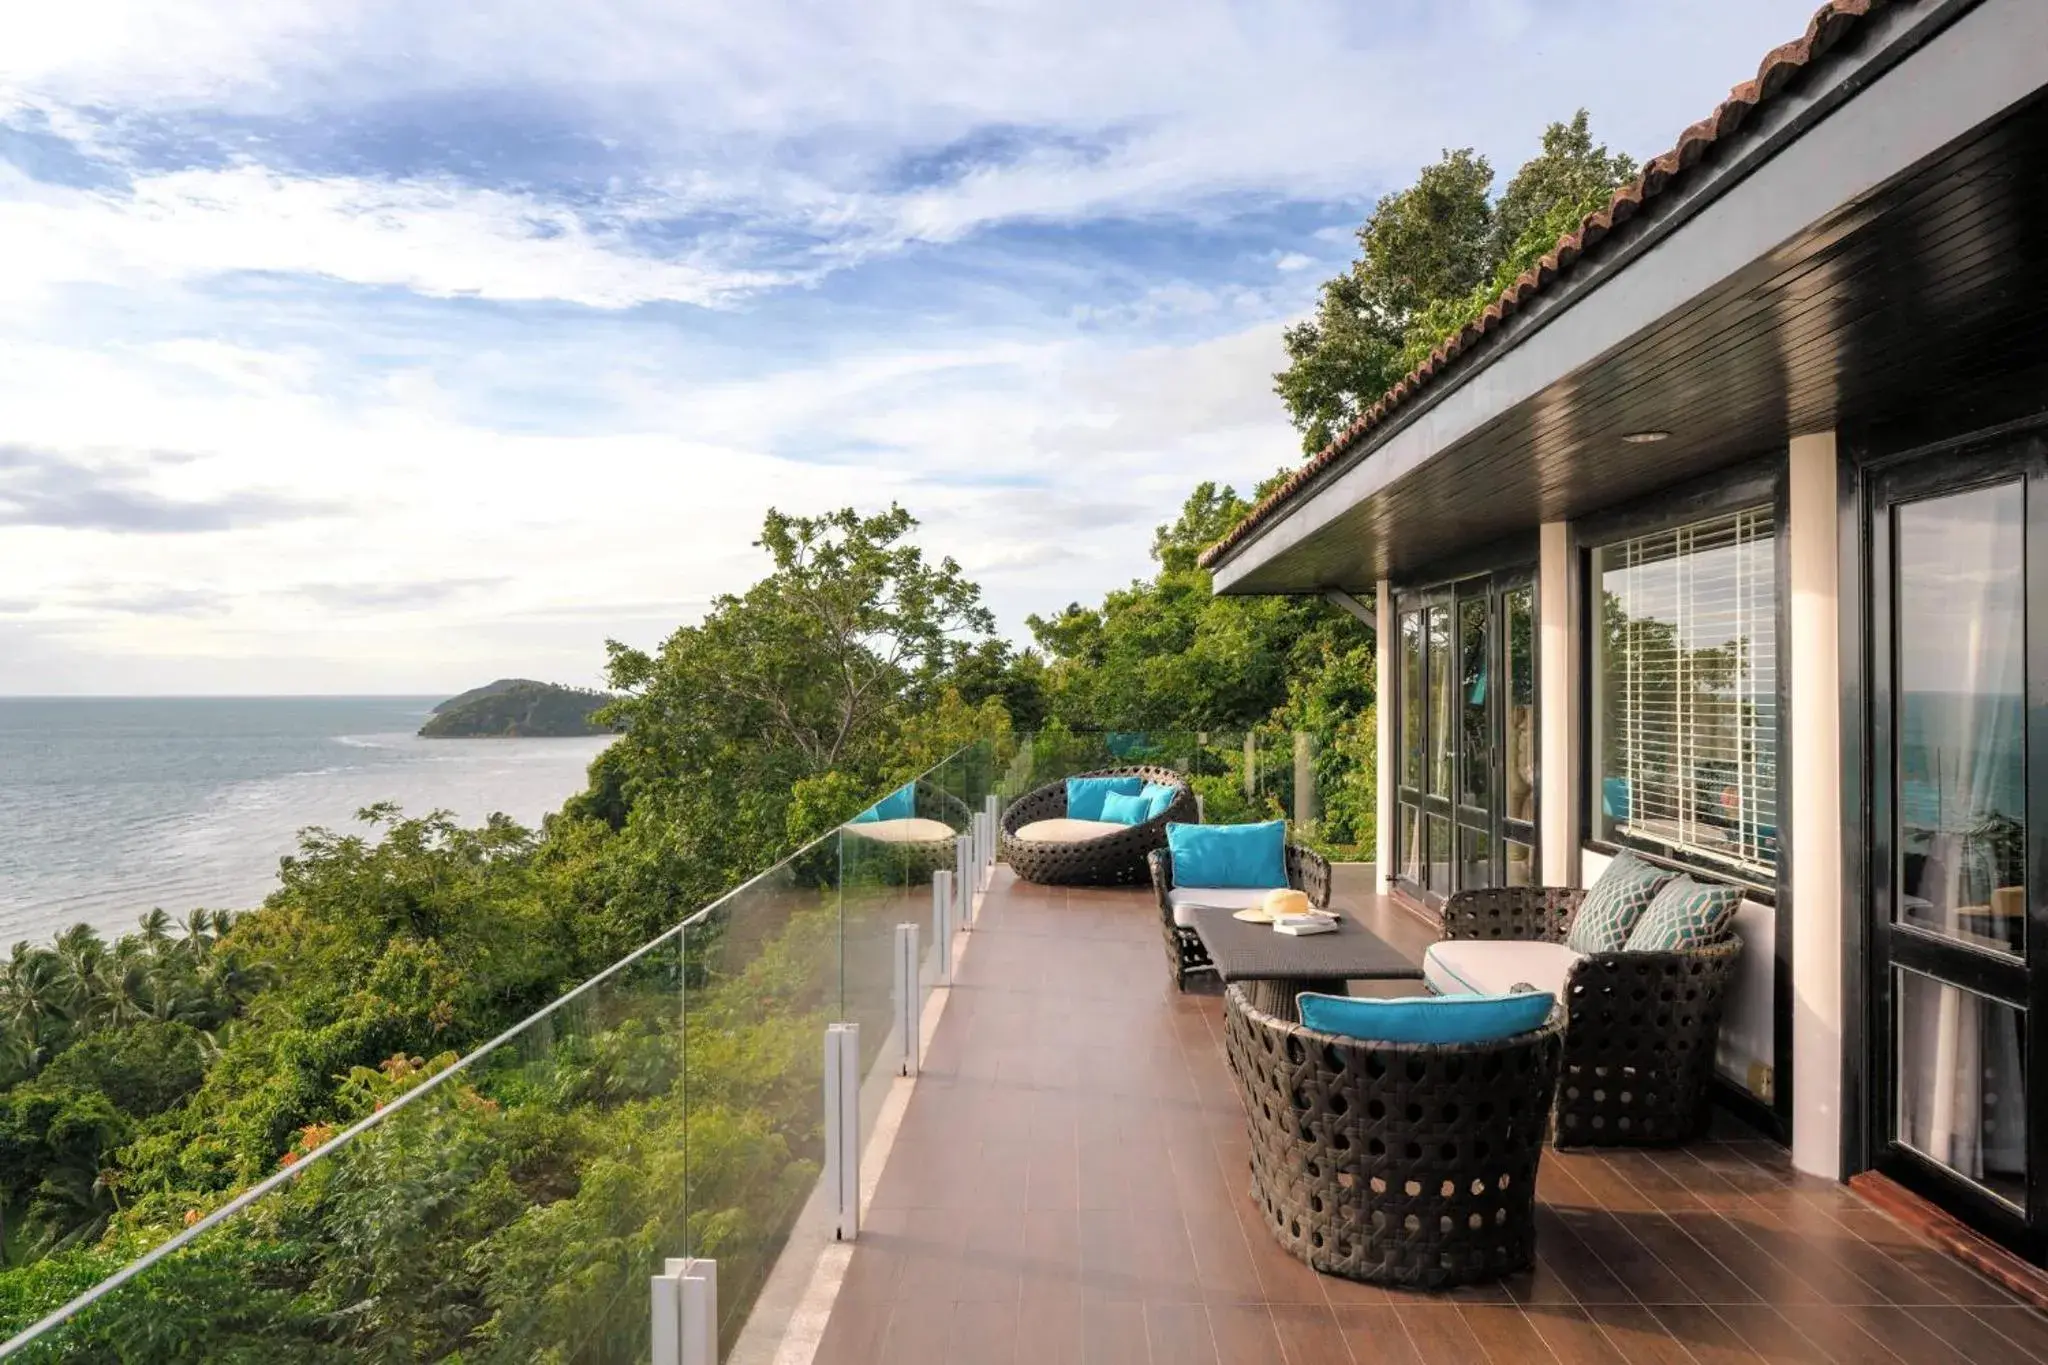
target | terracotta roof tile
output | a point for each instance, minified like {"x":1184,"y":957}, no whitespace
{"x":1779,"y":68}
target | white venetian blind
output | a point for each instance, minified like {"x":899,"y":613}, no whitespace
{"x":1688,"y":677}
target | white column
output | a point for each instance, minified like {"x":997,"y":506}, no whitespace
{"x":1386,"y":657}
{"x":1557,"y":705}
{"x":1814,"y":831}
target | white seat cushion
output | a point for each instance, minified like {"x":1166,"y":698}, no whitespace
{"x":1068,"y":831}
{"x":1184,"y":898}
{"x":903,"y":831}
{"x":1493,"y":966}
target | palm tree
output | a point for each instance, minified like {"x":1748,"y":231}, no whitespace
{"x":33,"y":1002}
{"x":156,"y":929}
{"x":198,"y":933}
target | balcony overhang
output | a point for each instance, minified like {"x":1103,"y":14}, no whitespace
{"x":1878,"y":246}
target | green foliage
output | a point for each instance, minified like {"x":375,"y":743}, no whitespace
{"x":1432,"y":257}
{"x":515,"y":707}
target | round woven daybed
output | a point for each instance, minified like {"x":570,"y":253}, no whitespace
{"x":926,"y":838}
{"x":1041,"y":845}
{"x":1406,"y":1164}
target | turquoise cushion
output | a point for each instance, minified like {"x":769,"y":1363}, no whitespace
{"x":1084,"y":794}
{"x":900,"y":804}
{"x":1427,"y":1018}
{"x":1119,"y":809}
{"x":1229,"y":855}
{"x":1161,"y":795}
{"x":1608,"y":914}
{"x":1686,"y":914}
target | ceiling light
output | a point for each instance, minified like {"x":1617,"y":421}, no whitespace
{"x":1643,"y":438}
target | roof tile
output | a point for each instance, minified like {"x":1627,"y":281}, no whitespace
{"x":1779,"y":68}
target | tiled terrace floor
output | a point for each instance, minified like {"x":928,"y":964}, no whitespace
{"x":1069,"y":1184}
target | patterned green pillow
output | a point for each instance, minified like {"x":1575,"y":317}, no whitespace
{"x":1614,"y":904}
{"x":1686,"y":914}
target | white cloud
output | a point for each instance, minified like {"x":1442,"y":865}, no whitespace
{"x":450,"y":359}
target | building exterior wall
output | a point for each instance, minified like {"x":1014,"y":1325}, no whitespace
{"x":1557,"y":707}
{"x":1384,"y":663}
{"x":1814,"y":765}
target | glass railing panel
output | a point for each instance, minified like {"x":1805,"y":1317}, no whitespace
{"x":509,"y":1205}
{"x":761,"y":981}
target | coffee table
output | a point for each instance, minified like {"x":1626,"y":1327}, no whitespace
{"x":1278,"y":967}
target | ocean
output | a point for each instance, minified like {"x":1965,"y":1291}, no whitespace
{"x":110,"y":806}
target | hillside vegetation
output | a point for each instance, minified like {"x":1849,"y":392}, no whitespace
{"x":518,"y":708}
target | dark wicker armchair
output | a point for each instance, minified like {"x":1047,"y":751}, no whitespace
{"x":1307,"y":871}
{"x":1397,"y":1163}
{"x":1112,"y":859}
{"x":1640,"y":1028}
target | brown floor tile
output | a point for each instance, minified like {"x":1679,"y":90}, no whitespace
{"x":1376,"y":1336}
{"x":1070,"y":1184}
{"x":1245,"y":1334}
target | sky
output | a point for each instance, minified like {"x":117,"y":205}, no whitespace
{"x":391,"y":347}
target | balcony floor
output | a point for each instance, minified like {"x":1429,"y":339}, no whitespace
{"x":1069,"y":1184}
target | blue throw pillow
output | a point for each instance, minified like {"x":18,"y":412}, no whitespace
{"x":1250,"y":856}
{"x":867,"y":817}
{"x":900,"y":804}
{"x":1119,"y":809}
{"x":1161,"y":795}
{"x":1084,"y":794}
{"x":1426,"y":1018}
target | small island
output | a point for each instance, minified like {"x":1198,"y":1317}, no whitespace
{"x":518,"y":708}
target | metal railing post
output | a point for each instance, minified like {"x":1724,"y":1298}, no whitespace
{"x":942,"y":924}
{"x":963,"y":879}
{"x":909,"y":1000}
{"x":685,"y":1327}
{"x":842,"y":1127}
{"x":992,"y":807}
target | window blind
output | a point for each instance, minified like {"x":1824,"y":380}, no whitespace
{"x":1688,"y":674}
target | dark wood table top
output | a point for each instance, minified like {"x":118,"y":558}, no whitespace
{"x":1253,"y":952}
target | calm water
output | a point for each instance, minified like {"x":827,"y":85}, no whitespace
{"x":111,"y":806}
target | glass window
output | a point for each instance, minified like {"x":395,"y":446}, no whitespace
{"x":1475,"y":858}
{"x":1963,"y":1082}
{"x":1960,"y":633}
{"x":1521,"y":864}
{"x":1472,"y":703}
{"x":1518,"y":607}
{"x":1439,"y":853}
{"x":1686,"y":675}
{"x":1441,"y":682}
{"x":1411,"y":700}
{"x":1410,"y":834}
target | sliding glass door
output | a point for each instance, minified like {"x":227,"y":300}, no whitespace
{"x":1960,"y":627}
{"x":1466,"y":747}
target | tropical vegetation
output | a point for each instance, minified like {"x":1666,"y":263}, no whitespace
{"x":509,"y":1204}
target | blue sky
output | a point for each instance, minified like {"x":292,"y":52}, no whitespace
{"x":388,"y":347}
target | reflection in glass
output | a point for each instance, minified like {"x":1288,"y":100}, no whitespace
{"x":1439,"y":853}
{"x":1409,"y":832}
{"x":1959,"y":582}
{"x":1473,"y":684}
{"x":1411,"y":700}
{"x":1475,"y":858}
{"x":1686,"y":688}
{"x":1518,"y":610}
{"x":1441,"y":681}
{"x":1521,"y":864}
{"x":1962,"y":1083}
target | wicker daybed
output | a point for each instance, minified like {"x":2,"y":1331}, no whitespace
{"x":925,"y":838}
{"x":1640,"y":1027}
{"x":1088,"y":853}
{"x":1307,"y":871}
{"x":1407,"y":1164}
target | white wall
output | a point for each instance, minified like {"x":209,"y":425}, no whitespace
{"x":1748,"y":1048}
{"x":1385,"y":639}
{"x":1557,"y":706}
{"x":1815,"y":827}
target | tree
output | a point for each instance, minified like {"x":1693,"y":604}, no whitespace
{"x":1433,"y":256}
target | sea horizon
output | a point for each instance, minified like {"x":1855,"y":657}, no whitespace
{"x":112,"y":805}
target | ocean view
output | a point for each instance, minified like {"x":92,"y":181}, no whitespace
{"x":109,"y":806}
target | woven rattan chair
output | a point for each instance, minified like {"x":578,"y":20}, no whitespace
{"x":1307,"y":871}
{"x":1640,"y":1028}
{"x":922,"y":857}
{"x":1114,"y":859}
{"x":1398,"y":1163}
